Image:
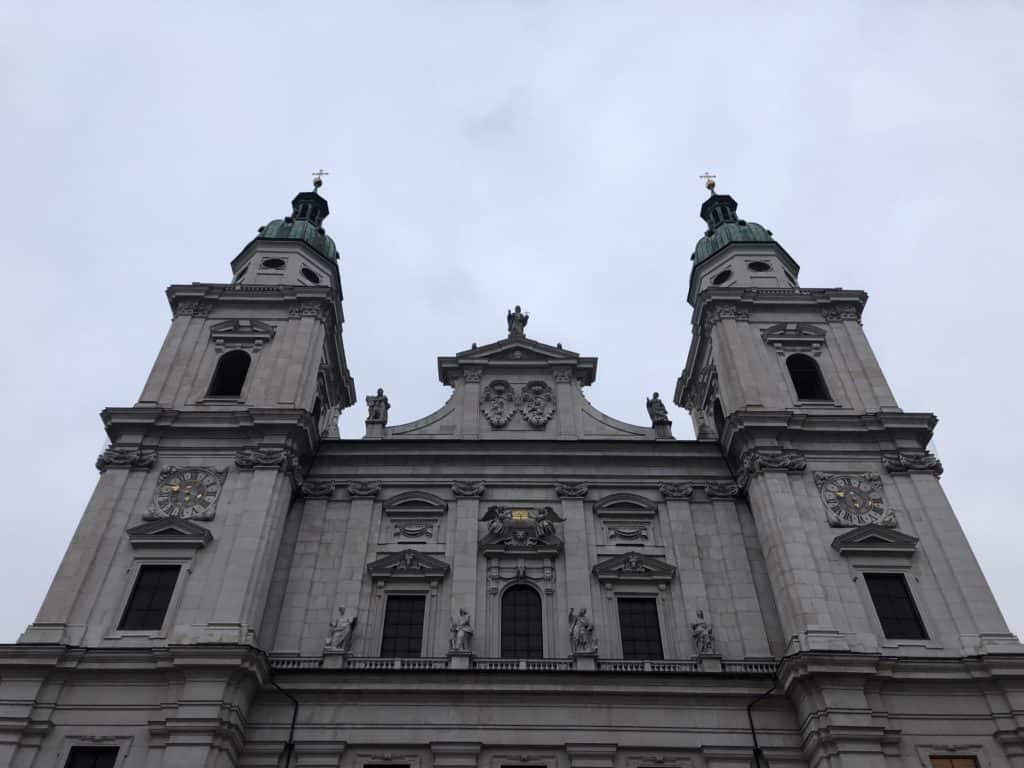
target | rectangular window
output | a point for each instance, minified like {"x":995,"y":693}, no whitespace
{"x":895,"y":606}
{"x":92,"y":757}
{"x":150,"y":597}
{"x":941,"y":761}
{"x":403,"y":626}
{"x":638,"y":625}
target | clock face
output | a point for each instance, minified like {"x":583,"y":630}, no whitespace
{"x":853,"y":499}
{"x":187,"y":493}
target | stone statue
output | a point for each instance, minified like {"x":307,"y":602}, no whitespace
{"x":517,"y":322}
{"x":657,"y":410}
{"x":378,"y":405}
{"x":703,"y":637}
{"x":339,"y":637}
{"x":581,"y":632}
{"x":461,"y":631}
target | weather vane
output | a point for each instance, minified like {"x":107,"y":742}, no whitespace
{"x":709,"y":181}
{"x":318,"y":179}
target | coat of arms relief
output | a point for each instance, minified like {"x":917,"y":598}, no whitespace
{"x":499,"y":402}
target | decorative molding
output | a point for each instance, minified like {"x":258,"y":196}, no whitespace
{"x":853,"y":500}
{"x":126,"y":458}
{"x":566,"y":490}
{"x":517,"y":529}
{"x":676,"y":490}
{"x":874,"y":540}
{"x":317,"y":309}
{"x":562,"y":375}
{"x":414,"y":516}
{"x":408,"y":564}
{"x":902,"y":463}
{"x":792,"y":337}
{"x":757,"y":461}
{"x":192,"y":308}
{"x":468,"y":488}
{"x":502,"y":567}
{"x":169,"y":532}
{"x":317,"y":489}
{"x":362,"y":489}
{"x":625,"y":503}
{"x":721,"y":490}
{"x":723,"y":312}
{"x":634,"y":566}
{"x":841,"y":312}
{"x":282,"y":459}
{"x":241,"y":334}
{"x":537,"y":403}
{"x":186,"y":493}
{"x":498,"y":403}
{"x":472,"y":375}
{"x":629,"y":532}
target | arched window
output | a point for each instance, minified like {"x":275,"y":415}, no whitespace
{"x":807,"y":380}
{"x":521,"y":625}
{"x":230,"y":374}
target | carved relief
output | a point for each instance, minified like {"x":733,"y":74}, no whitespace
{"x":189,"y":493}
{"x":792,"y":337}
{"x":468,"y":488}
{"x":537,"y":403}
{"x":853,"y":500}
{"x":499,"y":570}
{"x":562,"y":375}
{"x":363,"y":489}
{"x":626,"y":518}
{"x":316,"y":309}
{"x":131,"y":458}
{"x":628,"y":532}
{"x":571,"y":490}
{"x":843,"y":312}
{"x":721,"y":490}
{"x":267,"y":458}
{"x":676,"y":490}
{"x":498,"y":403}
{"x":241,"y":334}
{"x":408,"y":564}
{"x":192,"y":308}
{"x":412,"y":517}
{"x":317,"y":489}
{"x":912,"y":462}
{"x":521,"y":528}
{"x":472,"y":375}
{"x":634,"y":566}
{"x":756,"y":461}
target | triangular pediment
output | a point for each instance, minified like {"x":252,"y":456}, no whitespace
{"x":407,"y":564}
{"x":169,"y":532}
{"x":518,"y":352}
{"x":874,"y":539}
{"x":634,"y":566}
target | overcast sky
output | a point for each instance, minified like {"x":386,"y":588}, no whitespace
{"x":484,"y":154}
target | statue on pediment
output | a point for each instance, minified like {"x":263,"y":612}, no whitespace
{"x":517,"y":321}
{"x":657,"y":411}
{"x":378,"y":406}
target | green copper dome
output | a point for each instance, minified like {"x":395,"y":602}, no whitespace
{"x":730,"y":232}
{"x":305,"y":224}
{"x":301,"y":229}
{"x":719,"y":211}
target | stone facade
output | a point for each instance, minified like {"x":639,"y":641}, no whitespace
{"x":753,"y":544}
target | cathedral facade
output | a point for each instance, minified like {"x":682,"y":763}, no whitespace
{"x":516,"y":580}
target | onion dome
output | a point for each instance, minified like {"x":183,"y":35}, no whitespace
{"x":719,"y":211}
{"x":305,"y":224}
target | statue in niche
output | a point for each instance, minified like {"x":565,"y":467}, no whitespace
{"x":703,"y":636}
{"x":517,"y":322}
{"x":581,"y":632}
{"x":339,"y":636}
{"x":378,"y":405}
{"x":461,"y":632}
{"x":657,"y":410}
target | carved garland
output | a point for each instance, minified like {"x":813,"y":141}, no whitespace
{"x":126,"y":458}
{"x":902,"y":463}
{"x":755,"y":462}
{"x":282,"y":459}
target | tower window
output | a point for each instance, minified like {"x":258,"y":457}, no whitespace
{"x":895,"y":606}
{"x":807,"y":379}
{"x":638,"y":626}
{"x":147,"y":605}
{"x":230,"y":374}
{"x":759,"y":266}
{"x":719,"y":417}
{"x":310,"y":275}
{"x":522,"y":629}
{"x":403,"y":626}
{"x":272,"y":263}
{"x":92,"y":757}
{"x":722,"y":277}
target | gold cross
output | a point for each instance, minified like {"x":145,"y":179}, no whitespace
{"x":709,"y":180}
{"x":318,"y":177}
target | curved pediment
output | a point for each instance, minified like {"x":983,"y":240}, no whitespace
{"x":417,"y":503}
{"x":625,"y":504}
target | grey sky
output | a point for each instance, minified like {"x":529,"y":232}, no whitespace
{"x":485,"y":154}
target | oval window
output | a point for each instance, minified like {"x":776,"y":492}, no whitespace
{"x":759,"y":266}
{"x":273,"y":263}
{"x":310,"y":275}
{"x":722,"y":277}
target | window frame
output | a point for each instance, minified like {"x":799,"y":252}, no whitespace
{"x":501,"y":619}
{"x":830,"y":397}
{"x":383,"y":623}
{"x":184,"y":561}
{"x":219,"y":356}
{"x":123,"y":745}
{"x":902,"y":578}
{"x":926,"y":751}
{"x":863,"y":566}
{"x":657,"y":617}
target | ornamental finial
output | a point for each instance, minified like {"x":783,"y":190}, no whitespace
{"x":318,"y":178}
{"x":709,"y":181}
